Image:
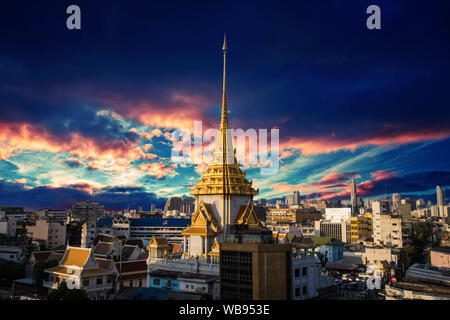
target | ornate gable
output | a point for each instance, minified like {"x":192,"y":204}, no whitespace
{"x":247,"y":215}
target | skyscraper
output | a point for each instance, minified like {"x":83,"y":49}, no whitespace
{"x":353,"y":196}
{"x":440,"y":195}
{"x":396,"y":200}
{"x":293,"y":199}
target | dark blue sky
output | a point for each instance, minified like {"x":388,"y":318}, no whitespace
{"x":74,"y":104}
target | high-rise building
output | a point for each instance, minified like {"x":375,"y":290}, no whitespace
{"x":253,"y":267}
{"x":396,"y":200}
{"x":87,"y":213}
{"x":353,"y":196}
{"x":440,"y":196}
{"x":293,"y":199}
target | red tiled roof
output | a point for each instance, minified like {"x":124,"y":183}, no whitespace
{"x":134,"y":276}
{"x":132,"y":266}
{"x":47,"y":255}
{"x":41,"y":256}
{"x":104,"y":263}
{"x":103,"y":248}
{"x":142,"y":256}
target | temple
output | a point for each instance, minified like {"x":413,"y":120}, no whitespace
{"x":223,"y":195}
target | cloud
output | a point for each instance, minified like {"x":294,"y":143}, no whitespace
{"x":158,"y":169}
{"x":113,"y":198}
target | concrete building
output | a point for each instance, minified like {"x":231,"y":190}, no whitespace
{"x":88,"y":213}
{"x":7,"y":225}
{"x":52,"y":233}
{"x":292,"y":215}
{"x":144,"y":228}
{"x":380,"y":207}
{"x":53,"y":215}
{"x":335,"y":230}
{"x":440,"y":196}
{"x":404,"y":210}
{"x":293,"y":199}
{"x":361,"y":226}
{"x":396,"y":201}
{"x":12,"y":253}
{"x":252,"y":267}
{"x":387,"y":230}
{"x":353,"y":197}
{"x":337,"y":215}
{"x":440,"y":257}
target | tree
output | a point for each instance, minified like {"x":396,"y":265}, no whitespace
{"x":64,"y":293}
{"x":323,"y":258}
{"x":39,"y":274}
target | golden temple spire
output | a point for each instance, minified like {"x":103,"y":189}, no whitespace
{"x":224,"y":116}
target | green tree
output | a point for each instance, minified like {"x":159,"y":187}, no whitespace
{"x":64,"y":293}
{"x":39,"y":274}
{"x":323,"y":258}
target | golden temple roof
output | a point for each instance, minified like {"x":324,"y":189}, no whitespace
{"x":75,"y":257}
{"x":224,"y":175}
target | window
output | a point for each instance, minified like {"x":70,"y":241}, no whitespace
{"x":99,"y":280}
{"x":86,"y":282}
{"x":140,"y":283}
{"x":305,"y":271}
{"x":156,"y":282}
{"x":297,"y":272}
{"x":305,"y":290}
{"x":169,"y":283}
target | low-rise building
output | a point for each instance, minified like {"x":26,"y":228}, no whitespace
{"x":52,"y":233}
{"x":361,"y":226}
{"x":80,"y":270}
{"x":12,"y":253}
{"x":440,"y":257}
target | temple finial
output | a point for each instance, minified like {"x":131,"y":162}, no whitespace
{"x":224,"y":47}
{"x":224,"y":116}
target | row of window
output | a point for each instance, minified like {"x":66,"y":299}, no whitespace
{"x":304,"y":272}
{"x":304,"y":291}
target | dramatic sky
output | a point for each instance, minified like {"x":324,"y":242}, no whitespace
{"x":88,"y":114}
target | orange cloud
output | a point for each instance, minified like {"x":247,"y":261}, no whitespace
{"x":158,"y":169}
{"x":313,"y":146}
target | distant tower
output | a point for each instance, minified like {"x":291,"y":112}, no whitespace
{"x":440,"y":195}
{"x":353,"y":195}
{"x":396,"y":201}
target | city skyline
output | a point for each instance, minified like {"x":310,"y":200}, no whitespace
{"x":90,"y":114}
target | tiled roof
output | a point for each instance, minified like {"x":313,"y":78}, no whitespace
{"x":127,"y":251}
{"x":134,"y":276}
{"x":103,"y":248}
{"x":142,"y":256}
{"x":149,"y":222}
{"x":93,"y":272}
{"x":132,"y":266}
{"x":75,"y":256}
{"x":104,"y":263}
{"x":41,"y":256}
